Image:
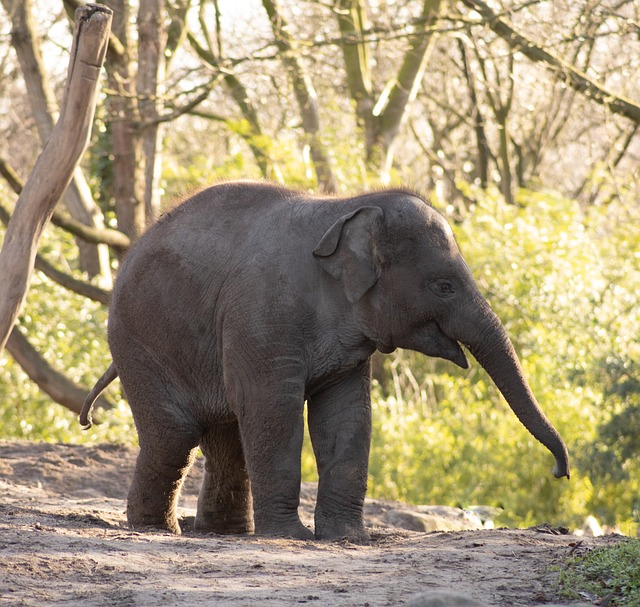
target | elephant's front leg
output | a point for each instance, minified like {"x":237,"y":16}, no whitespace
{"x":340,"y":428}
{"x":271,"y":423}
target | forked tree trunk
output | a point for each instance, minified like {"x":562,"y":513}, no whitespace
{"x":381,"y":118}
{"x":54,"y":168}
{"x":94,"y":259}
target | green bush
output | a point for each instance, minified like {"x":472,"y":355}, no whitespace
{"x":565,"y":282}
{"x":69,"y":332}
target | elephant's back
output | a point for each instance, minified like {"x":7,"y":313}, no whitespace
{"x":223,"y":234}
{"x":211,"y":225}
{"x":228,"y":208}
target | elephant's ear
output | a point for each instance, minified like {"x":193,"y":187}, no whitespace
{"x":348,"y":251}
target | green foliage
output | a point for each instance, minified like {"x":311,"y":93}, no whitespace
{"x":565,"y":284}
{"x":564,"y":281}
{"x":69,"y":332}
{"x":189,"y":167}
{"x":612,"y":574}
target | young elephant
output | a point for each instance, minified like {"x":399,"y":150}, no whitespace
{"x":248,"y":300}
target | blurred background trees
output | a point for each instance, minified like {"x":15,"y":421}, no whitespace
{"x":518,"y":119}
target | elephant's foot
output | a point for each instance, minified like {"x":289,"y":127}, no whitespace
{"x":290,"y":529}
{"x":147,"y":507}
{"x":224,"y":503}
{"x":332,"y":529}
{"x":139,"y":519}
{"x":223,"y":523}
{"x":157,"y":480}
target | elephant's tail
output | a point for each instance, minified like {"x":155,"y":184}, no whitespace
{"x":85,"y":415}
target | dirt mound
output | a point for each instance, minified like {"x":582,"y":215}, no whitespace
{"x":64,"y":540}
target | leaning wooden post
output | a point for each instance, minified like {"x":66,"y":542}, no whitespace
{"x":54,"y":168}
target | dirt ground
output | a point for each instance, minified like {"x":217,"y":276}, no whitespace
{"x":64,"y":541}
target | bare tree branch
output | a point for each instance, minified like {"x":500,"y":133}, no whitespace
{"x":574,"y":78}
{"x":240,"y":95}
{"x":65,"y":280}
{"x":113,"y":238}
{"x":57,"y":386}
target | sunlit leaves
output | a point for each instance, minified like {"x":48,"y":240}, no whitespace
{"x":566,"y":284}
{"x":69,"y":332}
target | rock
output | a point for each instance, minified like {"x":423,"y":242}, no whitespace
{"x":442,"y":598}
{"x":432,"y":518}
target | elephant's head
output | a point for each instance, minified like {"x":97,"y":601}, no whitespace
{"x":401,"y":270}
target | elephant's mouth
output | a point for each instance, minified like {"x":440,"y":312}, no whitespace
{"x":384,"y":348}
{"x":443,"y":346}
{"x":457,"y":356}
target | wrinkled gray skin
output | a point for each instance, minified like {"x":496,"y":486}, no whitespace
{"x":249,"y":299}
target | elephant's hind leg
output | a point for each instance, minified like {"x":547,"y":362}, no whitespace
{"x":224,"y":504}
{"x":161,"y":467}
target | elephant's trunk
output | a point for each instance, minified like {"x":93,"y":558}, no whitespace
{"x":492,"y":348}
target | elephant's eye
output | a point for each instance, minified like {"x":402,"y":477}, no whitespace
{"x":443,"y":288}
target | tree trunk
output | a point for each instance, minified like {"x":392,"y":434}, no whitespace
{"x":54,"y":168}
{"x":482,"y":145}
{"x":306,"y":97}
{"x":124,"y":118}
{"x":353,"y":22}
{"x":405,"y":87}
{"x":383,"y":118}
{"x":151,"y":66}
{"x":506,"y":178}
{"x":500,"y":98}
{"x":78,"y":199}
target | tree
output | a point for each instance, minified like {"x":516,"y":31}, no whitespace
{"x":381,"y":114}
{"x":135,"y":141}
{"x":305,"y":94}
{"x":573,"y":76}
{"x":50,"y":177}
{"x":93,"y":258}
{"x":340,"y":95}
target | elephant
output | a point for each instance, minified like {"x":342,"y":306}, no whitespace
{"x":248,"y":300}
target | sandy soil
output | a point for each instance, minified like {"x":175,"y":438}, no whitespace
{"x":64,"y":541}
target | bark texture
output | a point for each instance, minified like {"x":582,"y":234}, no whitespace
{"x":56,"y":164}
{"x":77,"y":197}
